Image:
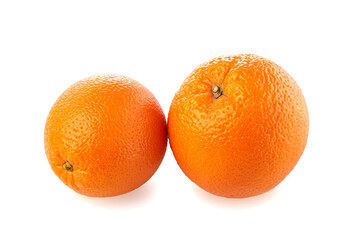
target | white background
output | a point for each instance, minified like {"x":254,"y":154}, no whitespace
{"x":45,"y":46}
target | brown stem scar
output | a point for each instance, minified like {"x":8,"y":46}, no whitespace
{"x":217,"y":90}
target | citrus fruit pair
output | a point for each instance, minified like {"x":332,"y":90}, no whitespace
{"x":237,"y":127}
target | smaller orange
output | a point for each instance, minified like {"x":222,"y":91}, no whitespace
{"x":105,"y":135}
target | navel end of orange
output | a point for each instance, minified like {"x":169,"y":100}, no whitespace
{"x":67,"y":166}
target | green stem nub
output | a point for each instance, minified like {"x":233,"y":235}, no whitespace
{"x":68,"y":166}
{"x":217,"y":90}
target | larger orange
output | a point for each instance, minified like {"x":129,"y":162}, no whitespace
{"x":238,"y":125}
{"x":105,"y":135}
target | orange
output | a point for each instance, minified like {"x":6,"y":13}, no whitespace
{"x":105,"y":135}
{"x":238,"y":125}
